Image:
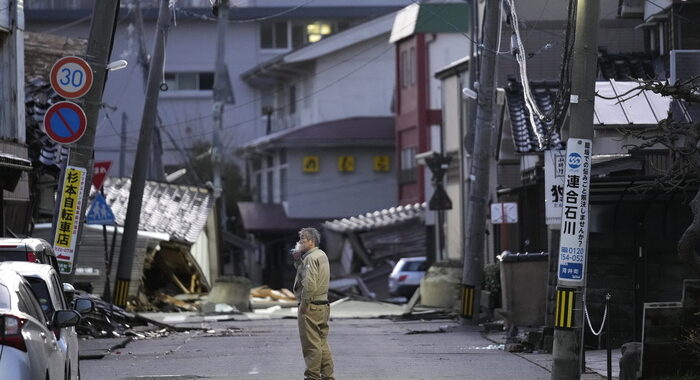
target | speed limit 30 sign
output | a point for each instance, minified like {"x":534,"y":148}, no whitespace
{"x":71,"y":77}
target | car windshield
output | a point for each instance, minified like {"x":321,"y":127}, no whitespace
{"x":13,"y":256}
{"x":4,"y":297}
{"x":413,"y":266}
{"x":42,"y":294}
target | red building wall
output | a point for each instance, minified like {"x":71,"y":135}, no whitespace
{"x":413,"y":117}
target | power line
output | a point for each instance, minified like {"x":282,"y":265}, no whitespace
{"x":205,"y":17}
{"x":238,"y":106}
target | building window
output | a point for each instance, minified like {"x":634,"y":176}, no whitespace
{"x":273,"y":35}
{"x":412,"y":65}
{"x":286,"y":34}
{"x":408,"y":171}
{"x":189,"y":81}
{"x":404,"y":69}
{"x":258,"y":186}
{"x":292,"y":100}
{"x":317,"y":31}
{"x":270,"y":188}
{"x":283,"y":184}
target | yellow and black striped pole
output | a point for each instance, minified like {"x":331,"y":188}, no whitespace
{"x":467,"y":301}
{"x":121,"y":292}
{"x":564,"y":317}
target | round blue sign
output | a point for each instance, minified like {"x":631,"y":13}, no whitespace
{"x":574,"y":160}
{"x":65,"y":122}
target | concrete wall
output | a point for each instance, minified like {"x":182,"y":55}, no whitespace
{"x":447,"y":48}
{"x":357,"y":81}
{"x":330,"y":193}
{"x":451,"y":124}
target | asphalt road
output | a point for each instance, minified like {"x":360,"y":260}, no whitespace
{"x":363,"y":349}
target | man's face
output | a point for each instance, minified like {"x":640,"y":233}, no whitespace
{"x":306,"y":244}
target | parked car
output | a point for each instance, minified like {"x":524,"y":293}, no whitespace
{"x":406,"y":276}
{"x":33,"y":250}
{"x":28,"y":348}
{"x":44,"y":282}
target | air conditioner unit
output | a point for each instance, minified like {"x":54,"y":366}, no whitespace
{"x":631,"y":8}
{"x":685,"y":65}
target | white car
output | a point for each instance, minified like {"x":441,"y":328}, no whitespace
{"x":48,"y":289}
{"x":28,"y":348}
{"x":406,"y":276}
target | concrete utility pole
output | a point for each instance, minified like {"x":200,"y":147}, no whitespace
{"x":480,"y":166}
{"x":138,"y":179}
{"x":222,"y":95}
{"x":568,"y":340}
{"x":99,"y":49}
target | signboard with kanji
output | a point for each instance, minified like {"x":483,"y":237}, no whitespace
{"x":573,"y":244}
{"x":69,"y":214}
{"x":311,"y":164}
{"x":346,"y":163}
{"x":553,"y":185}
{"x":381,"y":163}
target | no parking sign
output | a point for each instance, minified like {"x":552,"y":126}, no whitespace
{"x":65,"y":122}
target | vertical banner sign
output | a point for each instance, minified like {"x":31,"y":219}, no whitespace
{"x":574,"y":217}
{"x":553,"y":185}
{"x":69,"y":217}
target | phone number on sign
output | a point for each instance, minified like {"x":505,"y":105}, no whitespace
{"x":571,"y":254}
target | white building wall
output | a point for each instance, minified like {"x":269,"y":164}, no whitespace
{"x":358,"y":81}
{"x":445,"y":49}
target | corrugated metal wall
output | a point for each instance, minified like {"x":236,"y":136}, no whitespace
{"x":91,"y":258}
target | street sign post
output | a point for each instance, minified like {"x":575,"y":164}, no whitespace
{"x":71,"y":77}
{"x":65,"y":122}
{"x":99,"y":173}
{"x":574,"y":217}
{"x":100,"y":212}
{"x":69,"y":214}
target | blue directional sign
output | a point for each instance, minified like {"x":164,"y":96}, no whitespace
{"x":100,"y":212}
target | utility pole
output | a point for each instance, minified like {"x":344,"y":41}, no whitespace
{"x":138,"y":179}
{"x":144,"y":62}
{"x":155,"y":170}
{"x":569,"y":323}
{"x":222,"y":95}
{"x":480,"y":166}
{"x":99,"y":49}
{"x":122,"y":147}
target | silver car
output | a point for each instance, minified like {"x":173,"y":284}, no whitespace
{"x":406,"y":276}
{"x":28,"y":348}
{"x":45,"y":286}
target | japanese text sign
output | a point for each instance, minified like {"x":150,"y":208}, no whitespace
{"x":69,"y":216}
{"x":574,"y":217}
{"x":554,"y":161}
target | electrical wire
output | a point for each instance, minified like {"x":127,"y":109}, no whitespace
{"x":256,"y":99}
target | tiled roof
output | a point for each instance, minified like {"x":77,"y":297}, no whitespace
{"x":179,"y":211}
{"x":625,"y":67}
{"x":524,"y":137}
{"x":258,"y":217}
{"x":376,"y":219}
{"x":363,"y":131}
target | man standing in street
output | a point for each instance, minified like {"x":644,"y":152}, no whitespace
{"x":311,"y":290}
